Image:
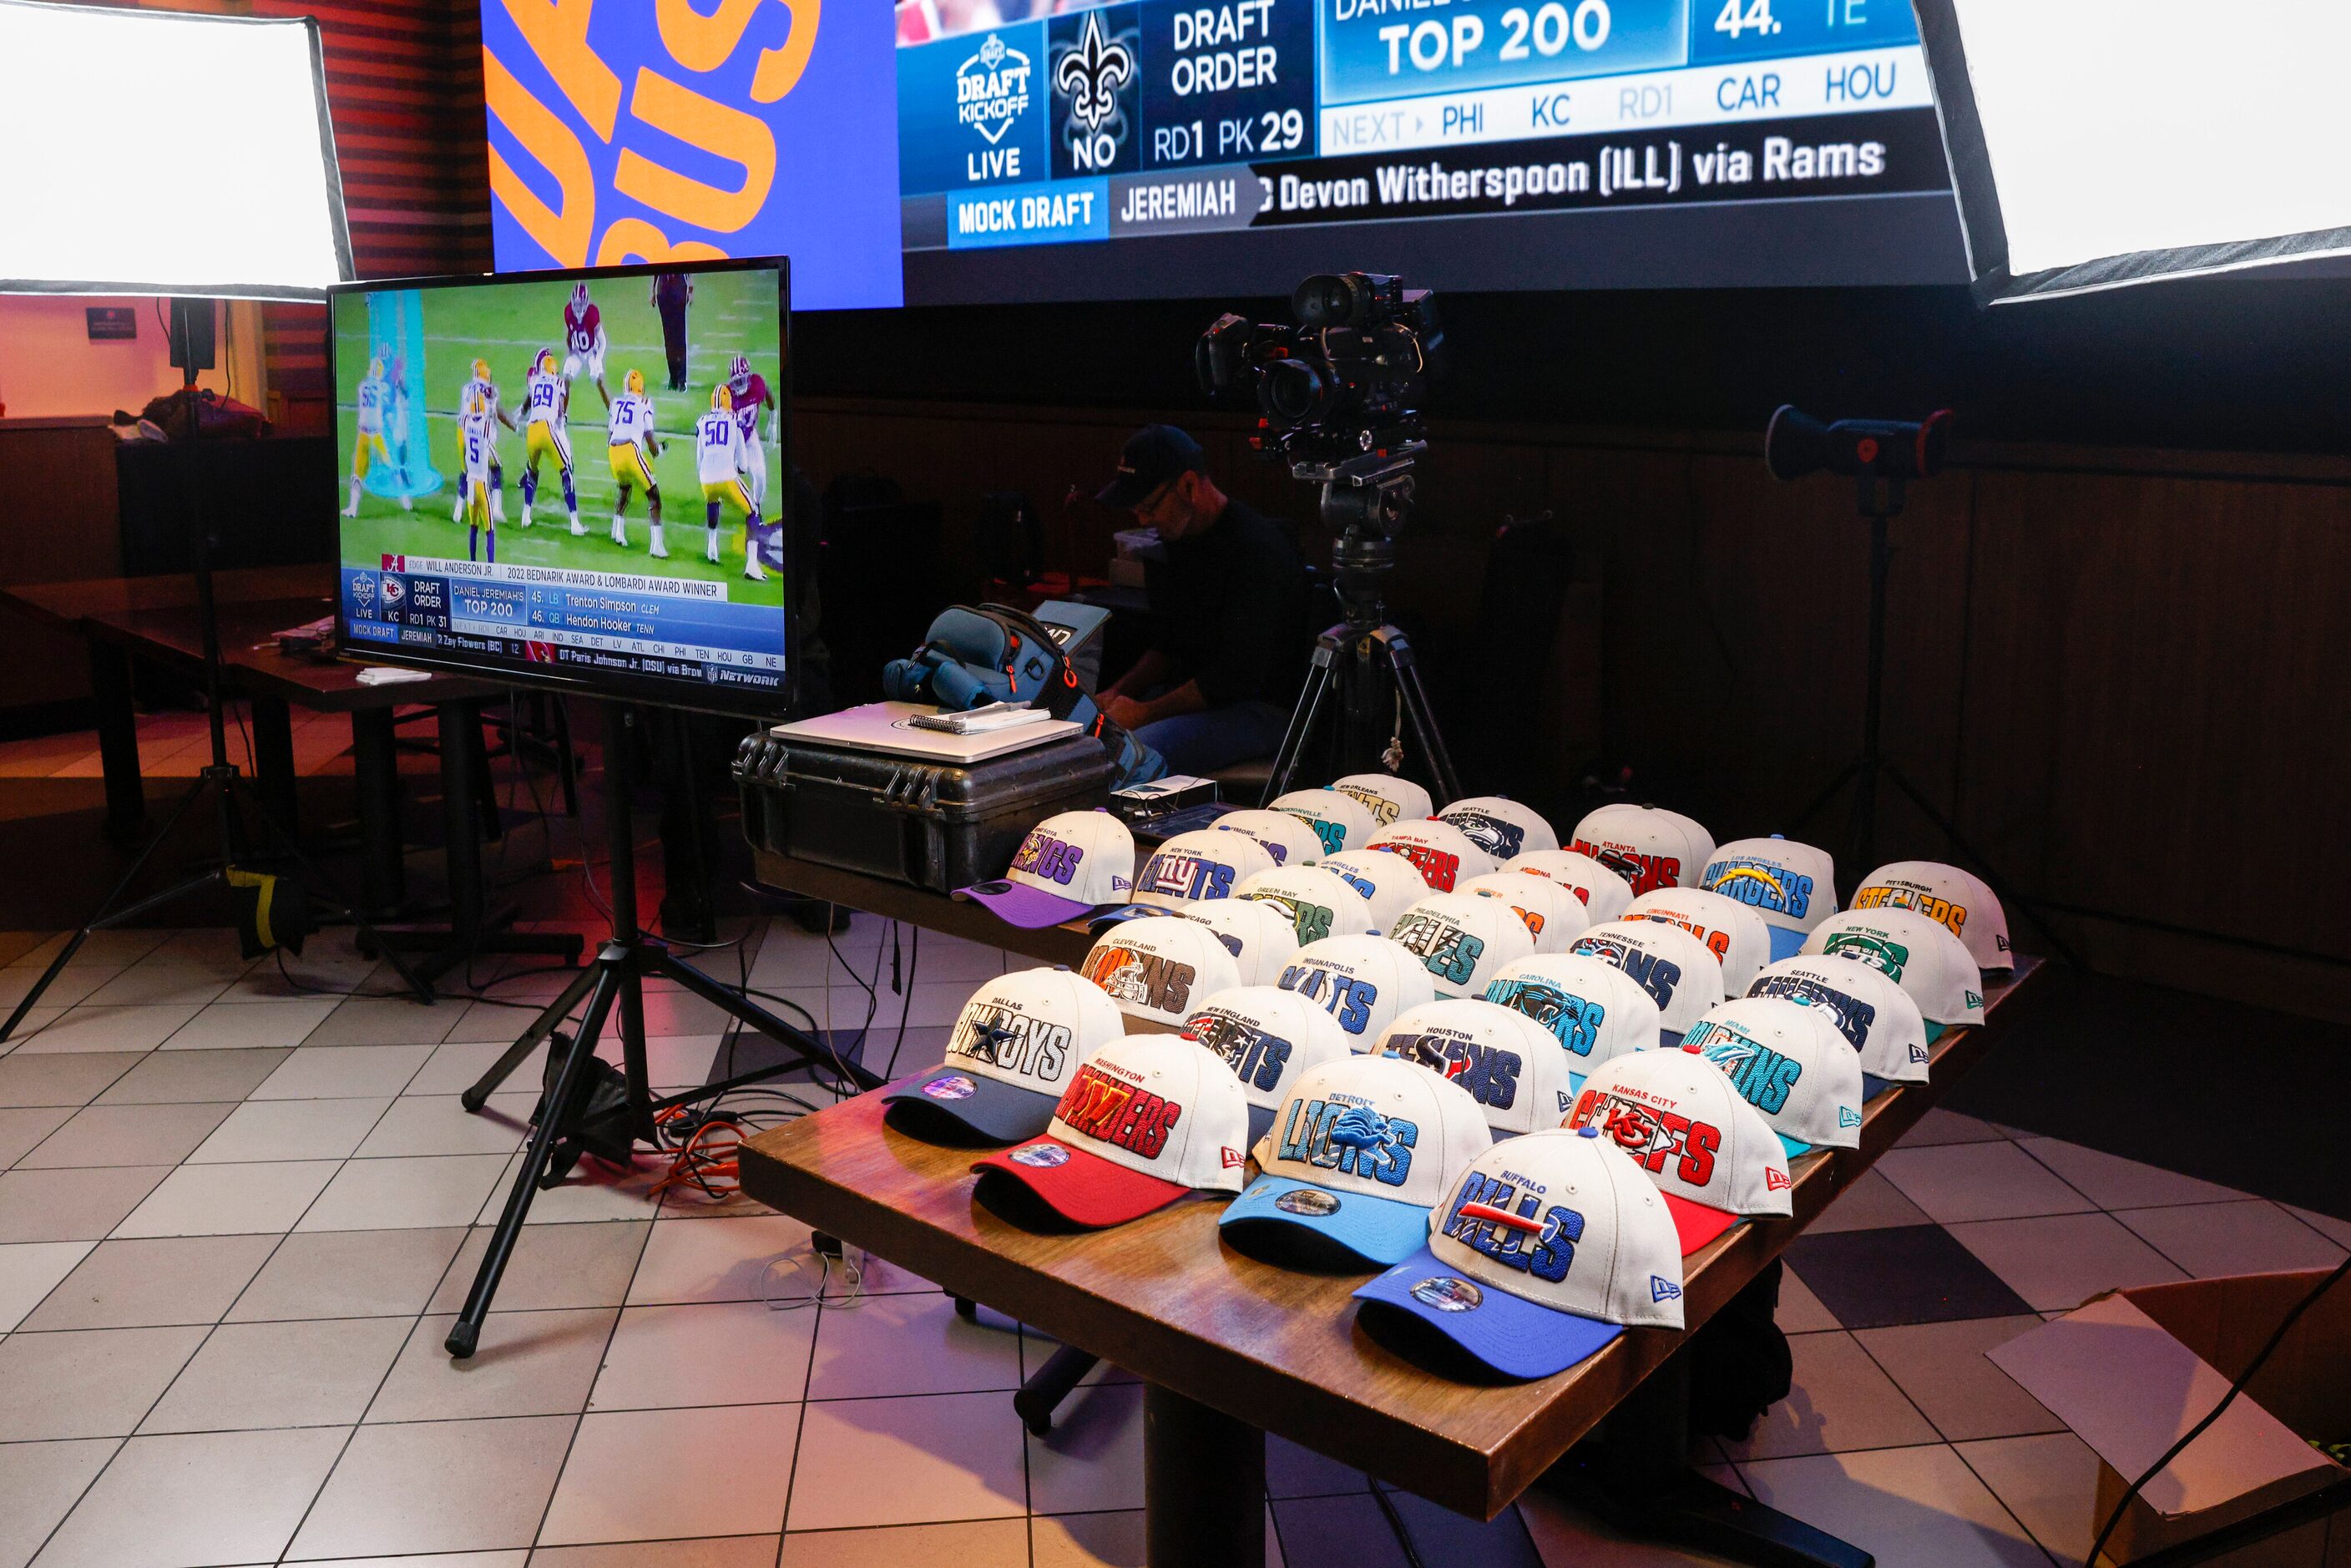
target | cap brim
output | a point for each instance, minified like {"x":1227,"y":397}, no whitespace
{"x":1085,"y":1188}
{"x":1126,"y":491}
{"x":1786,"y":943}
{"x":1508,"y":1333}
{"x":993,"y":1112}
{"x":1872,"y":1085}
{"x":1018,"y":904}
{"x":1797,"y":1148}
{"x":1935,"y":1030}
{"x":1696,"y":1223}
{"x":1260,"y":1120}
{"x":1117,"y":914}
{"x":1380,"y":1230}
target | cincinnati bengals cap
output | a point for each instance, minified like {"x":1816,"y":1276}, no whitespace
{"x":1070,"y":865}
{"x":1553,"y":915}
{"x":1648,"y":846}
{"x":1545,"y":1250}
{"x":1788,"y":1061}
{"x":1362,"y":982}
{"x":1153,"y":970}
{"x":1709,"y":1152}
{"x":1359,"y":1151}
{"x":1916,"y":953}
{"x":1267,"y":1037}
{"x":1338,"y":819}
{"x":1604,"y":893}
{"x":1595,"y":1010}
{"x":1508,"y":1063}
{"x":1259,"y":936}
{"x":1387,"y":797}
{"x":1674,"y":967}
{"x":1318,"y":902}
{"x":1792,"y":886}
{"x":1288,"y":838}
{"x":1015,"y":1046}
{"x":1500,"y":826}
{"x":1870,"y":1012}
{"x":1440,"y":852}
{"x":1462,"y":939}
{"x":1732,"y":932}
{"x":1957,"y":899}
{"x":1389,"y":884}
{"x":1148,"y":1119}
{"x":1201,"y":864}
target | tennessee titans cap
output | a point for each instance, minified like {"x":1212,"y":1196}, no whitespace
{"x":1916,"y":953}
{"x":1553,"y":915}
{"x":1709,"y":1152}
{"x":1154,"y":969}
{"x":1440,"y":852}
{"x":1390,"y":799}
{"x":1289,"y":840}
{"x":1500,"y":826}
{"x":1362,"y":982}
{"x":1595,"y":1010}
{"x":1604,"y":893}
{"x":1462,"y":939}
{"x":1390,"y":883}
{"x":1015,"y":1046}
{"x":1201,"y":864}
{"x":1788,"y":1061}
{"x":1869,"y":1012}
{"x":1509,"y":1064}
{"x":1319,"y":902}
{"x":1731,"y":931}
{"x":1676,"y":968}
{"x":1648,"y":846}
{"x":1957,"y":899}
{"x":1259,"y":936}
{"x":1268,"y":1037}
{"x":1068,"y":866}
{"x":1153,"y":455}
{"x":1339,"y":820}
{"x":1792,"y":886}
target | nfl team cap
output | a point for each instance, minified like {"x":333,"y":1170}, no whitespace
{"x":1955,"y":899}
{"x":1674,"y":967}
{"x":1268,"y":1037}
{"x":1918,"y":954}
{"x":1554,"y":916}
{"x":1259,"y":936}
{"x":1792,"y":886}
{"x":1545,"y":1250}
{"x":1440,"y":852}
{"x":1338,"y":819}
{"x":1362,"y":982}
{"x":1148,"y":1119}
{"x":1389,"y":884}
{"x":1507,"y":1063}
{"x":1319,"y":902}
{"x":1463,"y":939}
{"x":1709,"y":1152}
{"x":1361,"y":1151}
{"x":1732,"y":932}
{"x":1604,"y":893}
{"x":1388,"y":799}
{"x":1155,"y":969}
{"x":1202,"y":864}
{"x":1068,"y":866}
{"x":1016,"y":1045}
{"x":1788,"y":1061}
{"x":1873,"y":1015}
{"x":1290,"y":841}
{"x":1648,"y":846}
{"x":1500,"y":826}
{"x":1596,"y":1011}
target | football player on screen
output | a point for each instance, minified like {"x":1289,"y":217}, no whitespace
{"x":748,"y":391}
{"x":583,"y":340}
{"x":478,"y":491}
{"x":547,"y":400}
{"x":373,"y":398}
{"x":630,"y":432}
{"x":718,"y":459}
{"x":480,"y":400}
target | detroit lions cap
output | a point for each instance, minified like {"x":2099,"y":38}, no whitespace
{"x":1319,"y":902}
{"x":1500,"y":826}
{"x":1068,"y":865}
{"x":1290,"y":840}
{"x":1731,"y":931}
{"x":1440,"y":852}
{"x":1957,"y":899}
{"x":1551,"y":913}
{"x":1918,"y":954}
{"x":1595,"y":1010}
{"x":1462,"y":939}
{"x":1508,"y":1063}
{"x":1870,"y":1012}
{"x":1674,"y":967}
{"x":1267,"y":1037}
{"x":1390,"y":883}
{"x":1153,"y":970}
{"x":1604,"y":893}
{"x":1792,"y":886}
{"x":1648,"y":846}
{"x":1339,"y":820}
{"x":1362,"y":982}
{"x":1015,"y":1046}
{"x":1388,"y":798}
{"x":1545,"y":1250}
{"x":1709,"y":1152}
{"x":1259,"y":936}
{"x":1201,"y":864}
{"x":1787,"y":1061}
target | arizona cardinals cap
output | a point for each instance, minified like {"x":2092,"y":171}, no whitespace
{"x":1201,"y":864}
{"x":1015,"y":1046}
{"x":1709,"y":1152}
{"x":1732,"y":932}
{"x":1788,"y":1061}
{"x":1462,"y":939}
{"x":1957,"y":899}
{"x":1605,"y":893}
{"x":1068,"y":865}
{"x":1389,"y":884}
{"x":1267,"y":1037}
{"x":1338,"y":819}
{"x":1872,"y":1014}
{"x":1648,"y":846}
{"x":1674,"y":967}
{"x":1792,"y":886}
{"x":1500,"y":826}
{"x":1916,"y":953}
{"x":1319,"y":902}
{"x":1155,"y":969}
{"x":1509,"y":1064}
{"x":1361,"y":981}
{"x":1545,"y":1250}
{"x":1289,"y":840}
{"x":1595,"y":1010}
{"x":1388,"y":798}
{"x":1148,"y":1119}
{"x":1440,"y":852}
{"x":1553,"y":915}
{"x":1359,"y":1151}
{"x":1259,"y":936}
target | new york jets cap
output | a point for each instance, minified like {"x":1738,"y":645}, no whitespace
{"x":1604,"y":893}
{"x":1508,"y":1063}
{"x":1553,"y":915}
{"x":1153,"y":970}
{"x":1389,"y":884}
{"x":1792,"y":886}
{"x":1290,"y":840}
{"x":1648,"y":846}
{"x":1267,"y":1037}
{"x":1015,"y":1046}
{"x":1595,"y":1010}
{"x":1259,"y":936}
{"x":1709,"y":1152}
{"x":1440,"y":852}
{"x":1873,"y":1015}
{"x":1918,"y":954}
{"x":1958,"y":900}
{"x":1674,"y":967}
{"x":1462,"y":939}
{"x":1502,"y":827}
{"x":1388,"y":798}
{"x":1070,"y":865}
{"x":1201,"y":864}
{"x":1362,"y":982}
{"x":1338,"y":819}
{"x":1731,"y":931}
{"x":1788,"y":1061}
{"x":1319,"y":902}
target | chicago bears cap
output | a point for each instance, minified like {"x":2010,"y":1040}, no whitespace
{"x":1259,"y":936}
{"x":1362,"y":982}
{"x":1319,"y":902}
{"x":1731,"y":931}
{"x":1792,"y":886}
{"x":1553,"y":915}
{"x":1508,"y":1063}
{"x":1153,"y":970}
{"x":1389,"y":884}
{"x":1359,"y":1151}
{"x":1595,"y":1010}
{"x":1604,"y":893}
{"x":1709,"y":1152}
{"x":1873,"y":1015}
{"x":1440,"y":852}
{"x":1957,"y":899}
{"x":1068,"y":865}
{"x":1201,"y":864}
{"x":1148,"y":1119}
{"x":1387,"y":797}
{"x":1674,"y":967}
{"x":1500,"y":826}
{"x":1290,"y":840}
{"x":1015,"y":1046}
{"x":1338,"y":819}
{"x":1788,"y":1061}
{"x":1918,"y":954}
{"x":1648,"y":846}
{"x":1546,"y":1249}
{"x":1462,"y":939}
{"x":1267,"y":1037}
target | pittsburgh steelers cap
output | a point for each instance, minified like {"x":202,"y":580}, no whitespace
{"x":1290,"y":840}
{"x":1605,"y":893}
{"x":1792,"y":886}
{"x":1732,"y":932}
{"x":1502,"y":827}
{"x":1388,"y":798}
{"x":1870,"y":1012}
{"x":1068,"y":866}
{"x":1957,"y":899}
{"x":1015,"y":1046}
{"x":1390,"y":883}
{"x":1462,"y":939}
{"x":1674,"y":967}
{"x":1319,"y":902}
{"x":1787,"y":1061}
{"x":1440,"y":852}
{"x":1201,"y":864}
{"x":1709,"y":1152}
{"x":1595,"y":1010}
{"x":1918,"y":954}
{"x":1259,"y":936}
{"x":1553,"y":915}
{"x":1338,"y":819}
{"x":1153,"y":970}
{"x":1508,"y":1063}
{"x":1648,"y":846}
{"x":1362,"y":982}
{"x":1267,"y":1037}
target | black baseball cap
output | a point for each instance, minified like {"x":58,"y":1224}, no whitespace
{"x":1154,"y":454}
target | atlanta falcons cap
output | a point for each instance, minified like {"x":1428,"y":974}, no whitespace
{"x":1463,"y":939}
{"x":1709,"y":1152}
{"x":1068,"y":865}
{"x":1674,"y":967}
{"x":1604,"y":893}
{"x":1500,"y":826}
{"x":1957,"y":899}
{"x":1509,"y":1064}
{"x":1319,"y":902}
{"x":1267,"y":1037}
{"x":1546,"y":1249}
{"x":1289,"y":840}
{"x":1259,"y":936}
{"x":1389,"y":884}
{"x":1874,"y":1015}
{"x":1595,"y":1010}
{"x":1788,"y":1061}
{"x":1648,"y":846}
{"x":1554,"y":916}
{"x":1916,"y":953}
{"x":1148,"y":1119}
{"x":1015,"y":1046}
{"x":1201,"y":864}
{"x":1362,"y":982}
{"x":1792,"y":886}
{"x":1359,"y":1151}
{"x":1388,"y":798}
{"x":1732,"y":932}
{"x":1338,"y":819}
{"x":1154,"y":969}
{"x":1440,"y":852}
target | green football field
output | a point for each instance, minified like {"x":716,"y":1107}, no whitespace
{"x":733,"y":313}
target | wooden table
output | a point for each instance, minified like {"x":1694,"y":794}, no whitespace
{"x":931,"y":911}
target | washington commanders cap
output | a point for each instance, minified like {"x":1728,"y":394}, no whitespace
{"x":1545,"y":1250}
{"x":1290,"y":840}
{"x":1152,"y":456}
{"x":1709,"y":1152}
{"x":1068,"y":865}
{"x":1338,"y":819}
{"x":1500,"y":826}
{"x":1507,"y":1063}
{"x":1788,"y":1061}
{"x":1201,"y":864}
{"x":1389,"y":798}
{"x":1957,"y":899}
{"x":1918,"y":954}
{"x":1648,"y":846}
{"x":1440,"y":852}
{"x":1792,"y":886}
{"x":1462,"y":939}
{"x":1873,"y":1015}
{"x":1319,"y":902}
{"x":1153,"y":970}
{"x":1362,"y":982}
{"x":1595,"y":1010}
{"x":1267,"y":1037}
{"x":1259,"y":936}
{"x":1674,"y":967}
{"x":1015,"y":1047}
{"x":1604,"y":893}
{"x":1732,"y":932}
{"x":1553,"y":915}
{"x":1389,"y":884}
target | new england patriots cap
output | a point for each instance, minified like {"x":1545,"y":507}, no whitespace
{"x":1319,"y":902}
{"x":1788,"y":1061}
{"x":1869,"y":1012}
{"x":1508,"y":1063}
{"x":1708,"y":1151}
{"x":1068,"y":865}
{"x":1390,"y":884}
{"x":1361,"y":981}
{"x":1340,"y":821}
{"x":1268,"y":1037}
{"x":1792,"y":886}
{"x":1678,"y":970}
{"x":1958,"y":900}
{"x":1595,"y":1010}
{"x":1551,"y":913}
{"x":1918,"y":954}
{"x":1201,"y":864}
{"x":1648,"y":846}
{"x":1731,"y":931}
{"x":1017,"y":1044}
{"x":1288,"y":838}
{"x":1441,"y":852}
{"x":1390,"y":799}
{"x":1500,"y":826}
{"x":1604,"y":893}
{"x":1462,"y":939}
{"x":1153,"y":969}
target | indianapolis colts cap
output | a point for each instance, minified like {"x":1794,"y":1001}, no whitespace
{"x":1545,"y":1250}
{"x":1508,"y":1063}
{"x":1500,"y":826}
{"x":1873,"y":1015}
{"x":1709,"y":1152}
{"x":1259,"y":936}
{"x":1201,"y":864}
{"x":1918,"y":954}
{"x":1389,"y":798}
{"x":1553,"y":915}
{"x":1595,"y":1010}
{"x":1068,"y":866}
{"x":1674,"y":967}
{"x":1362,"y":982}
{"x":1289,"y":840}
{"x":1788,"y":1061}
{"x":1440,"y":852}
{"x":1338,"y":819}
{"x":1015,"y":1046}
{"x":1792,"y":886}
{"x":1732,"y":932}
{"x":1604,"y":893}
{"x":1153,"y":970}
{"x":1267,"y":1037}
{"x":1359,"y":1151}
{"x":1319,"y":902}
{"x":1958,"y":899}
{"x":1462,"y":939}
{"x":1648,"y":846}
{"x":1390,"y":883}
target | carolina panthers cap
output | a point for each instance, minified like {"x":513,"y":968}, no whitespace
{"x":1921,"y":956}
{"x":1674,"y":967}
{"x":1604,"y":893}
{"x":1320,"y":903}
{"x":1338,"y":819}
{"x":1788,"y":1061}
{"x":1792,"y":886}
{"x":1462,"y":939}
{"x":1359,"y":1151}
{"x":1015,"y":1046}
{"x":1595,"y":1010}
{"x":1068,"y":865}
{"x":1732,"y":932}
{"x":1545,"y":1249}
{"x":1440,"y":852}
{"x":1290,"y":840}
{"x":1148,"y":1119}
{"x":1388,"y":798}
{"x":1500,"y":826}
{"x":1201,"y":864}
{"x":1361,"y":981}
{"x":1648,"y":846}
{"x":1554,"y":916}
{"x":1509,"y":1064}
{"x":1957,"y":899}
{"x":1267,"y":1037}
{"x":1389,"y":884}
{"x":1872,"y":1014}
{"x":1709,"y":1152}
{"x":1155,"y":969}
{"x":1259,"y":936}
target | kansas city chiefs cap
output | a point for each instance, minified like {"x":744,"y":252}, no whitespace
{"x":1015,"y":1046}
{"x":1732,"y":932}
{"x":1202,"y":864}
{"x":1288,"y":838}
{"x":1709,"y":1152}
{"x":1916,"y":953}
{"x":1319,"y":902}
{"x":1153,"y":970}
{"x":1338,"y":819}
{"x":1957,"y":899}
{"x":1500,"y":826}
{"x":1604,"y":893}
{"x":1508,"y":1063}
{"x":1068,"y":865}
{"x":1440,"y":852}
{"x":1462,"y":939}
{"x":1792,"y":886}
{"x":1148,"y":1119}
{"x":1595,"y":1010}
{"x":1389,"y":884}
{"x":1546,"y":1249}
{"x":1873,"y":1015}
{"x":1359,"y":1152}
{"x":1648,"y":846}
{"x":1674,"y":967}
{"x":1788,"y":1061}
{"x":1362,"y":982}
{"x":1267,"y":1037}
{"x":1387,"y":797}
{"x":1553,"y":915}
{"x":1259,"y":936}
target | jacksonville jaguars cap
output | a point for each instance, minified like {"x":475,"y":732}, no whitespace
{"x":1462,"y":939}
{"x":1674,"y":967}
{"x":1146,"y":1119}
{"x":1288,"y":838}
{"x":1500,"y":826}
{"x":1732,"y":932}
{"x":1958,"y":900}
{"x":1015,"y":1046}
{"x":1870,"y":1012}
{"x":1390,"y":883}
{"x":1648,"y":846}
{"x":1339,"y":820}
{"x":1388,"y":799}
{"x":1792,"y":886}
{"x":1359,"y":1153}
{"x":1508,"y":1063}
{"x":1918,"y":954}
{"x":1153,"y":970}
{"x":1361,"y":981}
{"x":1259,"y":936}
{"x":1553,"y":915}
{"x":1545,"y":1250}
{"x":1068,"y":865}
{"x":1267,"y":1037}
{"x":1319,"y":902}
{"x":1709,"y":1152}
{"x":1595,"y":1010}
{"x":1201,"y":864}
{"x":1788,"y":1061}
{"x":1604,"y":893}
{"x":1440,"y":852}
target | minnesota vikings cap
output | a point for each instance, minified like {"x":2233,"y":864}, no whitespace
{"x":1595,"y":1010}
{"x":1918,"y":954}
{"x":1709,"y":1152}
{"x":1362,"y":982}
{"x":1338,"y":819}
{"x":1788,"y":1061}
{"x":1387,"y":797}
{"x":1546,"y":1249}
{"x":1389,"y":884}
{"x":1553,"y":915}
{"x":1201,"y":864}
{"x":1259,"y":936}
{"x":1674,"y":967}
{"x":1958,"y":900}
{"x":1604,"y":893}
{"x":1015,"y":1046}
{"x":1508,"y":1063}
{"x":1289,"y":840}
{"x":1153,"y":970}
{"x":1500,"y":826}
{"x":1068,"y":866}
{"x":1440,"y":852}
{"x":1873,"y":1015}
{"x":1148,"y":1119}
{"x":1732,"y":932}
{"x":1359,"y":1153}
{"x":1792,"y":886}
{"x":1319,"y":902}
{"x":1648,"y":846}
{"x":1267,"y":1037}
{"x":1462,"y":939}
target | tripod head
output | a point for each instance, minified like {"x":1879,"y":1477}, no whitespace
{"x":1366,"y":501}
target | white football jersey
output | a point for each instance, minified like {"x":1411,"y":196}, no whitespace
{"x":474,"y":443}
{"x":544,"y":396}
{"x":631,"y":419}
{"x":480,"y":397}
{"x":372,"y":399}
{"x":717,"y":446}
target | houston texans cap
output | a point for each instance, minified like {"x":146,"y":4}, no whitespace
{"x":1709,"y":1152}
{"x":1015,"y":1046}
{"x":1731,"y":931}
{"x":1674,"y":967}
{"x":1508,"y":1063}
{"x":1870,"y":1012}
{"x":1500,"y":826}
{"x":1148,"y":1119}
{"x":1546,"y":1249}
{"x":1068,"y":865}
{"x":1648,"y":846}
{"x":1605,"y":893}
{"x":1319,"y":902}
{"x":1267,"y":1037}
{"x":1553,"y":915}
{"x":1338,"y":819}
{"x":1290,"y":840}
{"x":1359,"y":1152}
{"x":1201,"y":864}
{"x":1440,"y":852}
{"x":1462,"y":939}
{"x":1792,"y":886}
{"x":1958,"y":899}
{"x":1390,"y":883}
{"x":1918,"y":954}
{"x":1595,"y":1010}
{"x":1153,"y":970}
{"x":1361,"y":981}
{"x":1387,"y":797}
{"x":1788,"y":1061}
{"x":1259,"y":936}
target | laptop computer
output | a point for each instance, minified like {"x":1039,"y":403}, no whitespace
{"x":883,"y":727}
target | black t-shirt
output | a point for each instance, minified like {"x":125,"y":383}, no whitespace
{"x":1231,"y":606}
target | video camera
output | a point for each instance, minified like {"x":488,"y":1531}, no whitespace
{"x":1337,"y":388}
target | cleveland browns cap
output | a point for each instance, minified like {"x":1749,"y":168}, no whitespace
{"x":1390,"y":884}
{"x":1259,"y":936}
{"x":1440,"y":852}
{"x":1732,"y":932}
{"x":1648,"y":846}
{"x":1267,"y":1037}
{"x":1338,"y":819}
{"x":1595,"y":1010}
{"x":1551,"y":913}
{"x":1509,"y":1064}
{"x":1500,"y":826}
{"x":1154,"y":969}
{"x":1387,"y":797}
{"x":1201,"y":864}
{"x":1792,"y":886}
{"x":1015,"y":1046}
{"x":1674,"y":967}
{"x":1288,"y":838}
{"x":1462,"y":939}
{"x":1709,"y":1152}
{"x":1918,"y":954}
{"x":1957,"y":899}
{"x":1604,"y":893}
{"x":1874,"y":1015}
{"x":1068,"y":866}
{"x":1319,"y":902}
{"x":1788,"y":1061}
{"x":1361,"y":981}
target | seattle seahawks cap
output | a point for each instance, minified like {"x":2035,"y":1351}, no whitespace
{"x":1359,"y":1151}
{"x":1872,"y":1014}
{"x":1605,"y":893}
{"x":1155,"y":969}
{"x":1361,"y":981}
{"x":1509,"y":1064}
{"x":1732,"y":932}
{"x":1543,"y":1252}
{"x":1595,"y":1010}
{"x":1389,"y":884}
{"x":1148,"y":1119}
{"x":1709,"y":1152}
{"x":1015,"y":1046}
{"x":1674,"y":967}
{"x":1319,"y":902}
{"x":1792,"y":886}
{"x":1553,"y":915}
{"x":1068,"y":865}
{"x":1338,"y":819}
{"x":1788,"y":1061}
{"x":1648,"y":846}
{"x":1388,"y":798}
{"x":1267,"y":1037}
{"x":1288,"y":838}
{"x":1440,"y":852}
{"x":1201,"y":864}
{"x":1918,"y":954}
{"x":1958,"y":900}
{"x":1500,"y":826}
{"x":1462,"y":939}
{"x":1259,"y":936}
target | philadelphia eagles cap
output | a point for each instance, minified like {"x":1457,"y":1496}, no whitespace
{"x":1674,"y":967}
{"x":1290,"y":840}
{"x":1259,"y":936}
{"x":1389,"y":798}
{"x":1874,"y":1015}
{"x":1440,"y":852}
{"x":1155,"y":969}
{"x":1605,"y":893}
{"x":1958,"y":899}
{"x":1508,"y":1063}
{"x":1553,"y":915}
{"x":1918,"y":954}
{"x":1068,"y":866}
{"x":1361,"y":981}
{"x":1462,"y":939}
{"x":1788,"y":1061}
{"x":1731,"y":931}
{"x":1153,"y":455}
{"x":1389,"y":884}
{"x":1015,"y":1046}
{"x":1318,"y":902}
{"x":1500,"y":826}
{"x":1648,"y":846}
{"x":1595,"y":1010}
{"x":1201,"y":864}
{"x":1338,"y":819}
{"x":1709,"y":1152}
{"x":1792,"y":886}
{"x":1267,"y":1037}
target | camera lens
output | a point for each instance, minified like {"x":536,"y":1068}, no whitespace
{"x":1326,"y":299}
{"x":1292,"y":390}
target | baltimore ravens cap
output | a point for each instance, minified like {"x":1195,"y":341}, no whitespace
{"x":1870,"y":1012}
{"x":1792,"y":886}
{"x":1068,"y":865}
{"x":1268,"y":1037}
{"x":1017,"y":1044}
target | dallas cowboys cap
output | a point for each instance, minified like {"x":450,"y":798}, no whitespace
{"x":1389,"y":884}
{"x":1595,"y":1010}
{"x":1259,"y":936}
{"x":1320,"y":903}
{"x":1015,"y":1046}
{"x":1289,"y":840}
{"x":1389,"y":798}
{"x":1068,"y":866}
{"x":1338,"y":819}
{"x":1153,"y":455}
{"x":1709,"y":1152}
{"x":1361,"y":981}
{"x":1674,"y":967}
{"x":1153,"y":970}
{"x":1500,"y":826}
{"x":1553,"y":915}
{"x":1267,"y":1037}
{"x":1958,"y":899}
{"x":1359,"y":1151}
{"x":1462,"y":939}
{"x":1201,"y":864}
{"x":1508,"y":1063}
{"x":1731,"y":931}
{"x":1605,"y":893}
{"x":1788,"y":1061}
{"x":1792,"y":886}
{"x":1440,"y":852}
{"x":1870,"y":1012}
{"x":1648,"y":846}
{"x":1546,"y":1249}
{"x":1918,"y":954}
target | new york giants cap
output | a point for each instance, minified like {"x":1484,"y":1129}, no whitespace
{"x":1319,"y":902}
{"x":1546,"y":1249}
{"x":1648,"y":846}
{"x":1389,"y":884}
{"x":1731,"y":931}
{"x":1440,"y":852}
{"x":1604,"y":893}
{"x":1388,"y":798}
{"x":1068,"y":865}
{"x":1508,"y":1063}
{"x":1595,"y":1010}
{"x":1554,"y":916}
{"x":1290,"y":840}
{"x":1362,"y":982}
{"x":1259,"y":936}
{"x":1462,"y":939}
{"x":1957,"y":899}
{"x":1201,"y":864}
{"x":1500,"y":826}
{"x":1674,"y":967}
{"x":1792,"y":886}
{"x":1709,"y":1152}
{"x":1153,"y":970}
{"x":1339,"y":820}
{"x":1015,"y":1046}
{"x":1873,"y":1015}
{"x":1788,"y":1061}
{"x":1267,"y":1037}
{"x":1918,"y":954}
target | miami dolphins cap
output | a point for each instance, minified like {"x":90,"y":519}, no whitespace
{"x":1918,"y":954}
{"x":1553,"y":915}
{"x":1508,"y":1063}
{"x":1068,"y":866}
{"x":1359,"y":1151}
{"x":1338,"y":819}
{"x":1015,"y":1046}
{"x":1153,"y":970}
{"x":1648,"y":846}
{"x":1462,"y":939}
{"x":1545,"y":1250}
{"x":1289,"y":840}
{"x":1731,"y":931}
{"x":1389,"y":884}
{"x":1788,"y":1061}
{"x":1362,"y":982}
{"x":1709,"y":1152}
{"x":1202,"y":864}
{"x":1267,"y":1037}
{"x":1604,"y":893}
{"x":1500,"y":826}
{"x":1595,"y":1010}
{"x":1148,"y":1119}
{"x":1387,"y":797}
{"x":1957,"y":899}
{"x":1440,"y":852}
{"x":1259,"y":936}
{"x":1674,"y":967}
{"x":1870,"y":1012}
{"x":1319,"y":902}
{"x":1792,"y":886}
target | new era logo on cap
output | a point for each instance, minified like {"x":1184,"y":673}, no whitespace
{"x":1957,"y":899}
{"x":1509,"y":1064}
{"x":1553,"y":915}
{"x":1650,"y":847}
{"x":1068,"y":865}
{"x":1731,"y":931}
{"x":1339,"y":820}
{"x":1789,"y":1062}
{"x":1362,"y":982}
{"x":1153,"y":969}
{"x":1604,"y":893}
{"x":1708,"y":1151}
{"x":1502,"y":827}
{"x":1289,"y":840}
{"x":1267,"y":1037}
{"x":1015,"y":1047}
{"x":1676,"y":968}
{"x":1869,"y":1012}
{"x":1318,"y":902}
{"x":1389,"y":884}
{"x":1918,"y":954}
{"x":1441,"y":852}
{"x":1387,"y":797}
{"x":1202,"y":864}
{"x":1792,"y":886}
{"x":1462,"y":939}
{"x":1595,"y":1010}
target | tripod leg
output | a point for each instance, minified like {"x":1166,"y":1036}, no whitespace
{"x":1303,"y":717}
{"x":1991,"y":877}
{"x":1820,"y":801}
{"x":554,"y":1013}
{"x":1406,"y":671}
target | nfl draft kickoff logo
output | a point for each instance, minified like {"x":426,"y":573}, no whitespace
{"x":992,"y":89}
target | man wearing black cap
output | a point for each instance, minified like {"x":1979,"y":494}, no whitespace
{"x":1215,"y":687}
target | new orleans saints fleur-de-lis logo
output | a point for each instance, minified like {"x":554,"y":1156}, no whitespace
{"x":1092,"y":75}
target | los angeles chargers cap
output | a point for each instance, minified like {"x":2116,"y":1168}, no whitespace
{"x":1319,"y":902}
{"x":1788,"y":1061}
{"x":1462,"y":939}
{"x":1339,"y":820}
{"x":1731,"y":931}
{"x":1792,"y":886}
{"x":1870,"y":1012}
{"x":1290,"y":841}
{"x":1545,"y":1250}
{"x":1070,"y":865}
{"x":1389,"y":798}
{"x":1648,"y":846}
{"x":1362,"y":982}
{"x":1508,"y":1063}
{"x":1553,"y":915}
{"x":1259,"y":936}
{"x":1153,"y":970}
{"x":1015,"y":1046}
{"x":1148,"y":1119}
{"x":1201,"y":864}
{"x":1605,"y":893}
{"x":1359,"y":1151}
{"x":1389,"y":884}
{"x":1500,"y":826}
{"x":1267,"y":1037}
{"x":1440,"y":852}
{"x":1674,"y":967}
{"x":1709,"y":1152}
{"x":1595,"y":1010}
{"x":1918,"y":954}
{"x":1958,"y":899}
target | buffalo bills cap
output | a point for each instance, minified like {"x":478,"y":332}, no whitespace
{"x":1462,"y":939}
{"x":1068,"y":866}
{"x":1148,"y":1119}
{"x":1267,"y":1037}
{"x":1390,"y":883}
{"x":1709,"y":1152}
{"x":1648,"y":846}
{"x":1153,"y":970}
{"x":1870,"y":1012}
{"x":1359,"y":1151}
{"x":1500,"y":826}
{"x":1543,"y":1252}
{"x":1389,"y":798}
{"x":1674,"y":967}
{"x":1605,"y":893}
{"x":1361,"y":981}
{"x":1259,"y":936}
{"x":1338,"y":819}
{"x":1918,"y":954}
{"x":1596,"y":1011}
{"x":1319,"y":902}
{"x":1553,"y":915}
{"x":1732,"y":932}
{"x":1792,"y":886}
{"x":1508,"y":1063}
{"x":1958,"y":899}
{"x":1201,"y":864}
{"x":1288,"y":838}
{"x":1440,"y":852}
{"x":1015,"y":1046}
{"x":1788,"y":1061}
{"x":1153,"y":455}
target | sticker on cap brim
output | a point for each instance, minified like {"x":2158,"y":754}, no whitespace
{"x":1308,"y":1200}
{"x":954,"y":1086}
{"x":1043,"y":1156}
{"x":1449,"y":1294}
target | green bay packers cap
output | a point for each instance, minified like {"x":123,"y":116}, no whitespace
{"x":1792,"y":886}
{"x":1362,"y":982}
{"x":1508,"y":1063}
{"x":1554,"y":916}
{"x":1440,"y":852}
{"x":1788,"y":1061}
{"x":1267,"y":1037}
{"x":1318,"y":902}
{"x":1500,"y":826}
{"x":1201,"y":864}
{"x":1919,"y":954}
{"x":1708,"y":1151}
{"x":1259,"y":936}
{"x":1342,"y":821}
{"x":1604,"y":893}
{"x":1869,"y":1012}
{"x":1957,"y":899}
{"x":1462,"y":939}
{"x":1731,"y":931}
{"x":1389,"y":884}
{"x":1288,"y":838}
{"x":1648,"y":846}
{"x":1390,"y":799}
{"x":1674,"y":967}
{"x":1153,"y":970}
{"x":1595,"y":1010}
{"x":1015,"y":1047}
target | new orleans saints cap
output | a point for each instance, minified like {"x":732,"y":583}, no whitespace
{"x":1918,"y":954}
{"x":1874,"y":1015}
{"x":1604,"y":893}
{"x":1153,"y":970}
{"x":1152,"y":456}
{"x":1792,"y":886}
{"x":1788,"y":1061}
{"x":1595,"y":1010}
{"x":1015,"y":1046}
{"x":1500,"y":826}
{"x":1268,"y":1037}
{"x":1709,"y":1152}
{"x":1958,"y":900}
{"x":1070,"y":865}
{"x":1648,"y":846}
